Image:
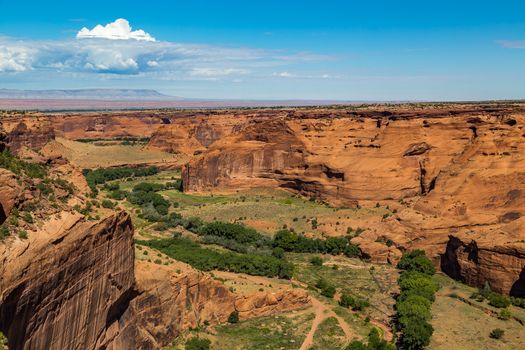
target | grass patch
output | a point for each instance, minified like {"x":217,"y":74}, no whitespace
{"x":285,"y":332}
{"x":329,"y":336}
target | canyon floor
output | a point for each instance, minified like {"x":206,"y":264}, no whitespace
{"x":248,"y":228}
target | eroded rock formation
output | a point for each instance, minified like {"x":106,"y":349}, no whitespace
{"x":170,"y":302}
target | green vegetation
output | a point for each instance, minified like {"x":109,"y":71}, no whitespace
{"x":375,"y":342}
{"x":329,"y":336}
{"x":356,"y":304}
{"x":519,"y":302}
{"x":284,"y":332}
{"x":467,"y":323}
{"x":103,"y":175}
{"x":326,"y":288}
{"x":415,"y":300}
{"x":3,"y":342}
{"x":494,"y":299}
{"x":416,"y":260}
{"x":153,"y":205}
{"x":127,"y":140}
{"x":197,"y":343}
{"x":187,"y":251}
{"x":316,"y":261}
{"x":234,"y":317}
{"x":20,"y":167}
{"x":293,"y":242}
{"x":505,"y":314}
{"x":497,"y":333}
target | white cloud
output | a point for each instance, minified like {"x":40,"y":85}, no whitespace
{"x":91,"y":54}
{"x":512,"y":44}
{"x":118,"y":30}
{"x":283,"y":75}
{"x":216,"y":72}
{"x":15,"y":58}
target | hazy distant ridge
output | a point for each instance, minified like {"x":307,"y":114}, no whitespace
{"x":86,"y":94}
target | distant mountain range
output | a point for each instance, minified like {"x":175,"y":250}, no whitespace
{"x":104,"y":99}
{"x":87,"y":94}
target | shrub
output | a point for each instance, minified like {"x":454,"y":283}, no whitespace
{"x":44,"y":188}
{"x":498,"y":300}
{"x":197,"y":343}
{"x":3,"y":341}
{"x":234,"y":317}
{"x":278,"y":252}
{"x":505,"y":314}
{"x":22,"y":234}
{"x":497,"y":333}
{"x":355,"y":303}
{"x":20,"y":167}
{"x":4,"y":232}
{"x":106,"y":203}
{"x":28,"y":217}
{"x":326,"y":288}
{"x":316,"y":261}
{"x":519,"y":302}
{"x":374,"y":343}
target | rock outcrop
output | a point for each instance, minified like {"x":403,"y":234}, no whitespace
{"x":500,"y":266}
{"x":170,"y":302}
{"x":9,"y":193}
{"x":33,"y":136}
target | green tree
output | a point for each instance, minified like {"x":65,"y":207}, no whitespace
{"x":416,"y":334}
{"x":416,"y":260}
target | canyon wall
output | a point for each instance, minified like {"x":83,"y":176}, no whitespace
{"x":67,"y":287}
{"x":461,"y":172}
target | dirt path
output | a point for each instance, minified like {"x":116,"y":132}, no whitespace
{"x":322,"y":312}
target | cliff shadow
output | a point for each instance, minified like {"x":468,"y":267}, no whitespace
{"x":518,"y":288}
{"x":3,"y":215}
{"x":449,"y":259}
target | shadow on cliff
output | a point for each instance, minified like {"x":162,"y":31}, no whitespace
{"x":3,"y":216}
{"x":518,"y":288}
{"x":449,"y":259}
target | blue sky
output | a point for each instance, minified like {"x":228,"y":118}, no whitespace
{"x":350,"y":50}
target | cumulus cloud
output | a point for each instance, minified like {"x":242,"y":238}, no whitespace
{"x":118,"y":30}
{"x":91,"y":53}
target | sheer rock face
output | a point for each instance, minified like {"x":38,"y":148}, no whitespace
{"x":68,"y":287}
{"x":193,"y":135}
{"x":502,"y":267}
{"x":9,"y":193}
{"x":32,"y":136}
